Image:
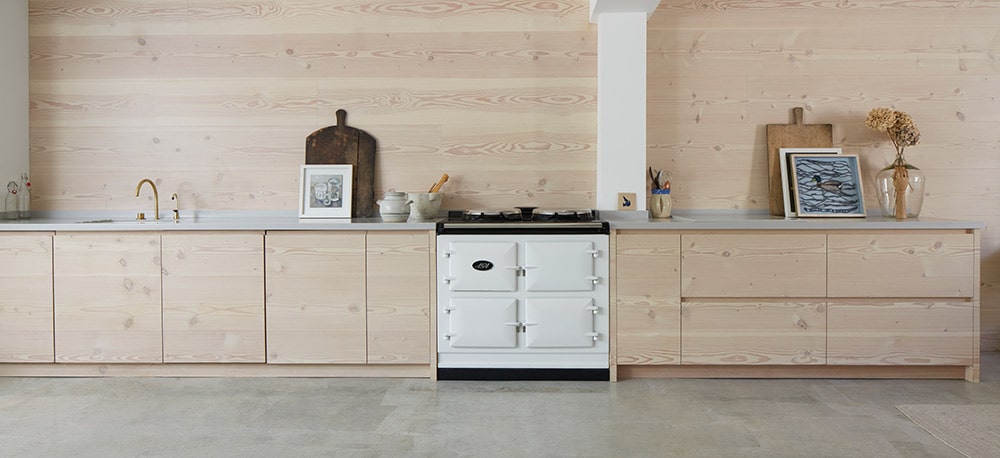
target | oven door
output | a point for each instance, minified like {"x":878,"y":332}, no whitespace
{"x":481,"y":266}
{"x":559,"y":266}
{"x":560,"y":322}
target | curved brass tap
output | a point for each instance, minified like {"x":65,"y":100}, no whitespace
{"x":156,"y":198}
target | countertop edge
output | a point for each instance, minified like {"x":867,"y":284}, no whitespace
{"x":277,"y":221}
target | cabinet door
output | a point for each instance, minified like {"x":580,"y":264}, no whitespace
{"x":753,"y":265}
{"x":399,"y":297}
{"x":213,"y":297}
{"x":107,"y":297}
{"x":913,"y":333}
{"x":902,"y":264}
{"x":26,"y":298}
{"x":648,"y":294}
{"x":316,"y":297}
{"x":753,"y":333}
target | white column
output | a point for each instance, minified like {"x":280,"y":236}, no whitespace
{"x":13,"y":91}
{"x":621,"y":99}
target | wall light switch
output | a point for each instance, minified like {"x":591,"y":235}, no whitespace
{"x":626,"y":201}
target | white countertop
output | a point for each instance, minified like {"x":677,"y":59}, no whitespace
{"x":761,"y":220}
{"x":282,"y":220}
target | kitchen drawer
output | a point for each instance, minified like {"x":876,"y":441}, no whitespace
{"x":648,"y":311}
{"x":898,"y":333}
{"x":902,"y":264}
{"x":741,"y":332}
{"x":753,"y":265}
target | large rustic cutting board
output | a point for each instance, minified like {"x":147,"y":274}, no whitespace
{"x":794,"y":135}
{"x":342,"y":144}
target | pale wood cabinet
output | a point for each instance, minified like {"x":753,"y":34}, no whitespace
{"x":836,"y":300}
{"x":916,"y":332}
{"x":764,"y":332}
{"x":26,"y":313}
{"x":107,"y":297}
{"x":213,"y":297}
{"x":399,"y":267}
{"x":349,"y":297}
{"x":928,"y":298}
{"x":647,"y":303}
{"x":753,"y":265}
{"x":316,"y":297}
{"x":902,"y":264}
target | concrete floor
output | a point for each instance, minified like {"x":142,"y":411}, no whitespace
{"x":81,"y":417}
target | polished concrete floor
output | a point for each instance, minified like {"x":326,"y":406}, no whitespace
{"x":90,"y":417}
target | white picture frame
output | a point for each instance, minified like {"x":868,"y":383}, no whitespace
{"x":787,"y":185}
{"x":325,"y":191}
{"x":828,"y":185}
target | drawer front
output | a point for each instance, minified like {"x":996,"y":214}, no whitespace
{"x":764,"y":333}
{"x":757,"y":265}
{"x":902,"y":265}
{"x":901,"y":333}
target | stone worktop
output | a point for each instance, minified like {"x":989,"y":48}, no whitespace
{"x":282,"y":220}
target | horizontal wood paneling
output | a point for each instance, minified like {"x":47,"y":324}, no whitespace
{"x":214,"y":98}
{"x":485,"y":83}
{"x":719,"y":70}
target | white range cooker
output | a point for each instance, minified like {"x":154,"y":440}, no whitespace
{"x":522,"y":295}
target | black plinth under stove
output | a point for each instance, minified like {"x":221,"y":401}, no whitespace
{"x":523,"y":220}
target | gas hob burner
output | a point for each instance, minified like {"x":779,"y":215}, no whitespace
{"x":565,"y":215}
{"x":523,"y":215}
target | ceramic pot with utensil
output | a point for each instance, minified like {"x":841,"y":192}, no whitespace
{"x":424,"y":205}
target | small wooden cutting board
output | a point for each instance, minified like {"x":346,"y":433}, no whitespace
{"x":795,"y":135}
{"x":342,"y":144}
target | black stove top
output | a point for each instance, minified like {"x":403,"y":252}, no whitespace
{"x":522,"y":215}
{"x":522,"y":220}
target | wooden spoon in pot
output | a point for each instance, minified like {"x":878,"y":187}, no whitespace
{"x":437,"y":186}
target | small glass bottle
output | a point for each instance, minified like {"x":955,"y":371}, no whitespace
{"x":24,"y":198}
{"x":10,"y":203}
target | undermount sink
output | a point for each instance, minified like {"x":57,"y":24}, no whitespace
{"x":126,"y":221}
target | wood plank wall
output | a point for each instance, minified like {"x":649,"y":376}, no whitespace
{"x":214,"y":98}
{"x":720,"y":70}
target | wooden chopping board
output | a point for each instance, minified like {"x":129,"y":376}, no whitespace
{"x":794,"y":135}
{"x":342,"y":144}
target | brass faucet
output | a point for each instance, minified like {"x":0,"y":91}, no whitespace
{"x":156,"y":198}
{"x":177,"y":211}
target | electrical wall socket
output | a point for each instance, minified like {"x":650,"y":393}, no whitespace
{"x":626,"y":201}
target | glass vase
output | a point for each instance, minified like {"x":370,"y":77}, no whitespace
{"x":912,"y":184}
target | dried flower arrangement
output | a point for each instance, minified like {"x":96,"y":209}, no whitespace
{"x":901,"y":130}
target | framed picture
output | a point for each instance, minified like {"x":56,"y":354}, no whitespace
{"x":827,"y":185}
{"x":325,"y":191}
{"x":788,"y":186}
